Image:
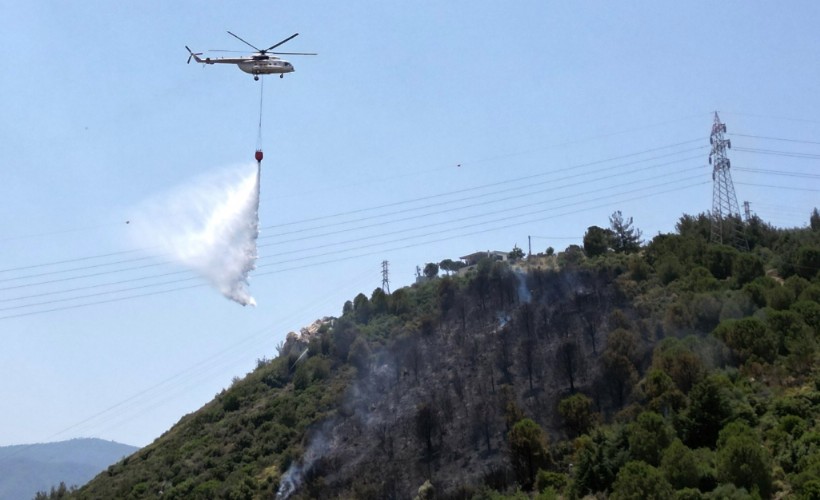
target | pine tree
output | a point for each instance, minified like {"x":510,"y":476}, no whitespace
{"x":625,"y":238}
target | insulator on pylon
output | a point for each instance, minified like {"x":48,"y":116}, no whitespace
{"x":711,"y":140}
{"x":728,"y":163}
{"x":710,"y":159}
{"x":729,"y":143}
{"x":258,"y":155}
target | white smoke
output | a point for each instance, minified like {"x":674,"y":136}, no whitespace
{"x":209,"y":226}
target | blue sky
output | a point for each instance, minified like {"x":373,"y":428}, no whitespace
{"x":558,"y":113}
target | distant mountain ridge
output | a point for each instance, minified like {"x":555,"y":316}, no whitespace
{"x":29,"y":468}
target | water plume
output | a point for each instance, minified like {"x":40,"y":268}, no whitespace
{"x":209,"y":226}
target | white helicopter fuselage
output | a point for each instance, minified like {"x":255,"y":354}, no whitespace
{"x":253,"y":65}
{"x":266,"y":67}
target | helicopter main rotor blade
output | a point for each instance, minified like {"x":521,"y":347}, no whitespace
{"x":246,"y":43}
{"x":295,"y":53}
{"x":280,"y":43}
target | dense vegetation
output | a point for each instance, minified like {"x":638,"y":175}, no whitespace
{"x":671,"y":369}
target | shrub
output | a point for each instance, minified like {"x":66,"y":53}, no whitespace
{"x":640,"y":481}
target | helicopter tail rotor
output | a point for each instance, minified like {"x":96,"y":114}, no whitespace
{"x":193,"y":55}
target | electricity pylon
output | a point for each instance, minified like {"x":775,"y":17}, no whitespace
{"x":726,"y":219}
{"x":385,"y":277}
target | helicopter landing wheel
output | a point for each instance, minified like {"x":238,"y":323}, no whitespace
{"x":256,"y":77}
{"x":282,"y":75}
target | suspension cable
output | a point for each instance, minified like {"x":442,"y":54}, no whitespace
{"x":259,"y":133}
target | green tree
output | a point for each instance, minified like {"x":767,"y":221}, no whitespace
{"x":808,"y":261}
{"x":625,"y":238}
{"x":649,"y":436}
{"x":431,"y":270}
{"x":528,"y":451}
{"x":709,"y":410}
{"x":378,"y":302}
{"x":597,"y":241}
{"x":515,"y":254}
{"x":451,"y":266}
{"x":58,"y":492}
{"x":359,"y":355}
{"x":640,"y":481}
{"x":399,"y":302}
{"x":361,"y":308}
{"x":598,"y":460}
{"x":678,"y":361}
{"x":620,"y":372}
{"x":697,"y":227}
{"x":343,"y":333}
{"x":576,"y":411}
{"x":795,"y":338}
{"x":680,"y":466}
{"x":744,"y":462}
{"x":747,"y":267}
{"x":809,"y":310}
{"x":720,"y":259}
{"x":571,"y":256}
{"x":748,"y":337}
{"x":662,"y":395}
{"x":619,"y":375}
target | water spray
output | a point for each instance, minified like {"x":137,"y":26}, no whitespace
{"x":209,"y":226}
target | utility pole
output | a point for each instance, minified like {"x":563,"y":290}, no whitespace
{"x":726,"y":221}
{"x":385,"y":277}
{"x":529,"y":244}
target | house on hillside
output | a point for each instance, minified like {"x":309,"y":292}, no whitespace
{"x":473,"y":258}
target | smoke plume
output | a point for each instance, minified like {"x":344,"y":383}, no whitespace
{"x":209,"y":226}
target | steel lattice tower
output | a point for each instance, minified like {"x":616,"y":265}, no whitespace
{"x":726,"y":219}
{"x":385,"y":277}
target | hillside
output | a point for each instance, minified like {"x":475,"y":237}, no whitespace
{"x":30,"y":468}
{"x":620,"y":369}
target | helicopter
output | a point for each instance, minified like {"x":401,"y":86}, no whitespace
{"x":260,"y":63}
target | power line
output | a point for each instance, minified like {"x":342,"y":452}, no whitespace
{"x":784,"y":118}
{"x":800,"y":141}
{"x":217,"y":360}
{"x":779,"y":172}
{"x":89,"y":287}
{"x":551,"y":188}
{"x":406,"y":245}
{"x":506,"y":190}
{"x":366,"y":209}
{"x":484,"y":186}
{"x":461,"y":235}
{"x":616,"y":174}
{"x":788,"y":154}
{"x":67,"y":261}
{"x":483,"y":215}
{"x":779,"y":187}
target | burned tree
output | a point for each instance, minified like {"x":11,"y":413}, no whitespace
{"x":568,"y":360}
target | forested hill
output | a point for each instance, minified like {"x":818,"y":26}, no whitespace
{"x":25,"y":469}
{"x":621,"y":369}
